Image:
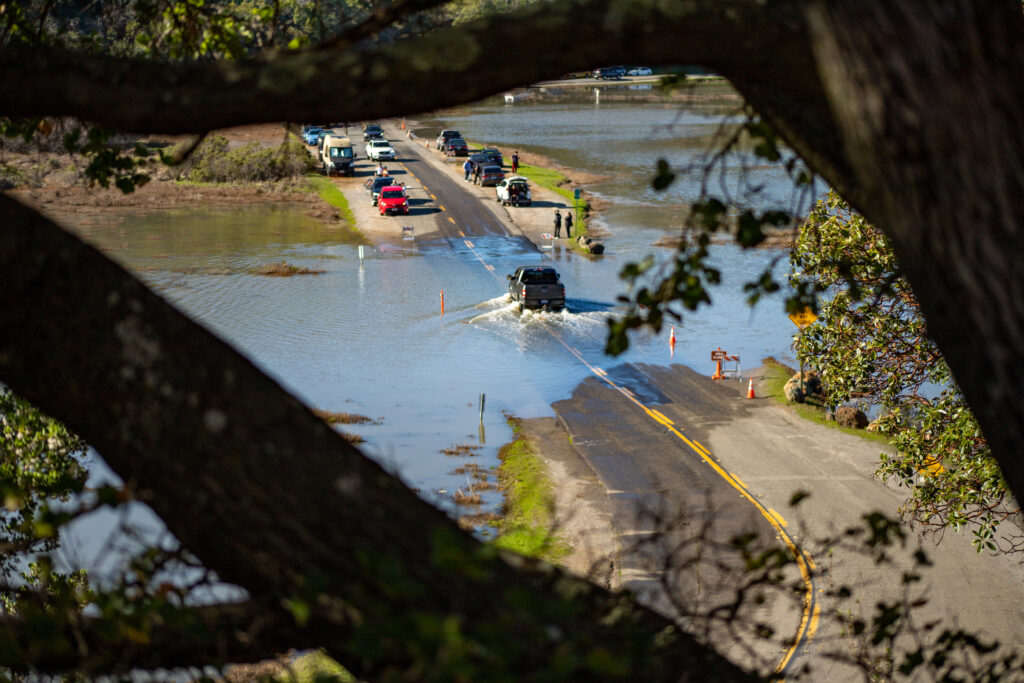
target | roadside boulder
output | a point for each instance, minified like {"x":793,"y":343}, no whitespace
{"x":811,"y":387}
{"x":590,"y":245}
{"x":851,"y":417}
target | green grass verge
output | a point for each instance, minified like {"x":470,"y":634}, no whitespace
{"x":330,"y":193}
{"x":776,"y":376}
{"x":528,"y":524}
{"x":315,"y":667}
{"x":555,"y":181}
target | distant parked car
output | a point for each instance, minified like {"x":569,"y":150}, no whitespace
{"x":456,"y":147}
{"x":371,"y":131}
{"x":392,"y":200}
{"x":640,"y":71}
{"x":477,"y":159}
{"x":610,"y":72}
{"x":490,"y":175}
{"x":446,"y":135}
{"x":493,"y":155}
{"x":311,"y":136}
{"x":379,"y":149}
{"x":374,"y":186}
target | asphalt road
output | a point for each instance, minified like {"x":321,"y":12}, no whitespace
{"x":462,"y":213}
{"x":688,"y":466}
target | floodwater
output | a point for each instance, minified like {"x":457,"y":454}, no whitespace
{"x":367,"y":336}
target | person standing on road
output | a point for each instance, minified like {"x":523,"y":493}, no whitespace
{"x":558,"y":223}
{"x":467,"y":167}
{"x":568,"y":224}
{"x":476,"y":173}
{"x":515,"y":162}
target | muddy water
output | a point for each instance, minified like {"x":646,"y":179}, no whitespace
{"x":367,"y":336}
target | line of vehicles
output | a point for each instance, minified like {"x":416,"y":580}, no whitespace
{"x":530,"y":286}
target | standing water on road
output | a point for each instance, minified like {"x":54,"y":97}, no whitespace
{"x":368,"y":336}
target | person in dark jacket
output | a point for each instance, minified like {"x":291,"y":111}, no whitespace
{"x":558,"y":223}
{"x":568,"y":224}
{"x":515,"y":162}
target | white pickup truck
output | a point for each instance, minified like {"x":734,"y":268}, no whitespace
{"x":380,"y":150}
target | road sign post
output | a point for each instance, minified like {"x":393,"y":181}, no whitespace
{"x":576,"y":193}
{"x":803,"y":319}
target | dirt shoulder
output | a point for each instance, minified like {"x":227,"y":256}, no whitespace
{"x":582,"y":512}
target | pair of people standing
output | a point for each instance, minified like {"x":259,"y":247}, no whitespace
{"x":558,"y":223}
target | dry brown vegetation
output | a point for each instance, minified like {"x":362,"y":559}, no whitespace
{"x":461,"y":449}
{"x":333,"y":418}
{"x":477,"y":520}
{"x":282,"y":269}
{"x":463,"y":498}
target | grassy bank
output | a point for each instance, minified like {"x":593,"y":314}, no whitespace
{"x":528,"y":520}
{"x":330,"y":193}
{"x":776,"y":376}
{"x":558,"y":183}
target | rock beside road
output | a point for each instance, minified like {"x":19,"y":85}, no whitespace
{"x":811,"y":387}
{"x":851,"y":417}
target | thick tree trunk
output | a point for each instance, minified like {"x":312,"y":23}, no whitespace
{"x":273,"y":500}
{"x":930,"y":103}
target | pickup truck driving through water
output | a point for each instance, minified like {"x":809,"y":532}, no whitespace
{"x":536,"y":287}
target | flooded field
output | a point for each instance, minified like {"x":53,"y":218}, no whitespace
{"x":367,"y":335}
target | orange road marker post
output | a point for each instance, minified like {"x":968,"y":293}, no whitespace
{"x":672,"y":341}
{"x":442,"y":302}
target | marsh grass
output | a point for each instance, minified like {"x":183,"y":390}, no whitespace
{"x":282,"y":269}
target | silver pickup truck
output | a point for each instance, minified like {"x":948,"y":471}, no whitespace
{"x":537,"y":287}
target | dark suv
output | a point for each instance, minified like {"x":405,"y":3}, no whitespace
{"x":372,"y":131}
{"x":610,"y":72}
{"x":446,"y":135}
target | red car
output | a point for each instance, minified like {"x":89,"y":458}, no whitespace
{"x":392,"y":200}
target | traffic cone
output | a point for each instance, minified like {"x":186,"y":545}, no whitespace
{"x":750,"y":388}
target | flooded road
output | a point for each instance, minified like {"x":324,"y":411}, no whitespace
{"x":367,"y":336}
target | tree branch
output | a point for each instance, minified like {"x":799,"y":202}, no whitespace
{"x":268,"y":496}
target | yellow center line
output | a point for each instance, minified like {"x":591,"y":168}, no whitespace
{"x":433,"y":196}
{"x":452,"y":220}
{"x":811,"y":610}
{"x":809,"y":619}
{"x":442,"y":207}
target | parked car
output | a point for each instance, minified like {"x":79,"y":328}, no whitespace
{"x":380,"y":149}
{"x":446,"y":135}
{"x":536,"y":287}
{"x":336,"y":154}
{"x":514,"y":191}
{"x":375,"y":185}
{"x":493,"y":156}
{"x":610,"y":72}
{"x":311,"y":136}
{"x":392,"y":200}
{"x":639,"y":71}
{"x":456,"y":147}
{"x":371,"y":131}
{"x":490,"y":175}
{"x":477,"y":159}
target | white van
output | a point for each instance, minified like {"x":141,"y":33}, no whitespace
{"x":337,"y":154}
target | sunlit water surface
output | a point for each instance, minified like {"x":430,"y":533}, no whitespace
{"x":367,"y":336}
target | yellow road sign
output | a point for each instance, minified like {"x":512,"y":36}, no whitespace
{"x":803,"y":318}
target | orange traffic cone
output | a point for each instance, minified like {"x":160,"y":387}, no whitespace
{"x":750,"y":388}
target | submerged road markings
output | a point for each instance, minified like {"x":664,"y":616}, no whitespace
{"x":811,"y":609}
